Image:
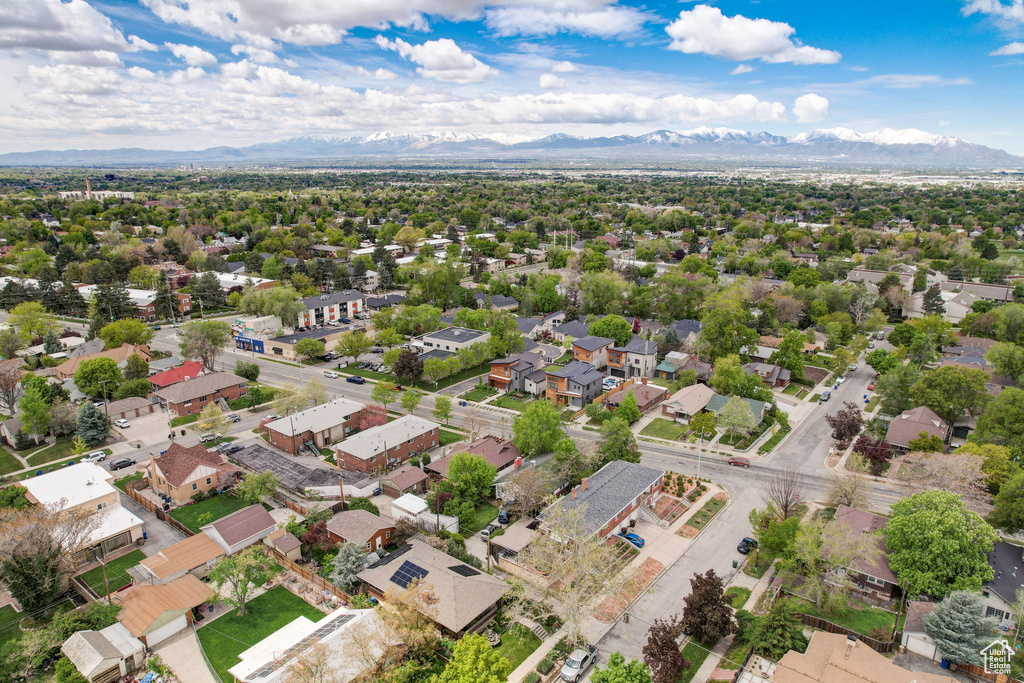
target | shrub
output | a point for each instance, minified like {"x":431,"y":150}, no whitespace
{"x":545,"y":666}
{"x":363,"y":504}
{"x":531,"y":678}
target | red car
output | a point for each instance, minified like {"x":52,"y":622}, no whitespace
{"x":871,"y":387}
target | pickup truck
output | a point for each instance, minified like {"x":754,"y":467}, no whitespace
{"x":578,"y":662}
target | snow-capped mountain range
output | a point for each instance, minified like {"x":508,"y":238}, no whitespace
{"x":907,"y":147}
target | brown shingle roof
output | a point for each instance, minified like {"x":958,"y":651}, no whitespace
{"x":118,"y":355}
{"x":199,"y":386}
{"x":492,"y":449}
{"x":830,"y":658}
{"x":143,"y":604}
{"x":405,"y":477}
{"x":178,"y":462}
{"x":193,"y":552}
{"x":358,"y":526}
{"x":243,"y":523}
{"x":130,"y":403}
{"x":909,"y":424}
{"x":853,"y":523}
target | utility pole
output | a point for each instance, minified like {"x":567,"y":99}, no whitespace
{"x":106,"y":404}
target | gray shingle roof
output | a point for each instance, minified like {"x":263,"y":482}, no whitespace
{"x":573,"y":328}
{"x":341,"y":297}
{"x":592,"y":343}
{"x":610,"y":490}
{"x":639,"y":345}
{"x":573,"y":369}
{"x":199,"y":386}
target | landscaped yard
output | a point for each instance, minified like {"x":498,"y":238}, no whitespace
{"x":479,"y":393}
{"x":739,"y":596}
{"x":734,"y":656}
{"x":9,"y":463}
{"x":517,"y":643}
{"x":62,"y":449}
{"x":860,"y":618}
{"x":117,"y":573}
{"x":122,"y":483}
{"x":185,"y":420}
{"x":225,"y":638}
{"x":448,"y":437}
{"x":706,"y":513}
{"x":871,"y":404}
{"x":510,"y":402}
{"x":758,"y":564}
{"x":664,"y":429}
{"x":814,"y":399}
{"x":483,"y":516}
{"x":8,"y":624}
{"x":695,"y":652}
{"x":217,"y":506}
{"x":468,"y":373}
{"x":792,"y":390}
{"x":50,"y":467}
{"x":771,"y":443}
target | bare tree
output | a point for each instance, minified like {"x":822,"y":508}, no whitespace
{"x":525,"y":491}
{"x":10,"y":385}
{"x":959,"y":473}
{"x":848,"y":490}
{"x":314,"y":666}
{"x":822,"y":555}
{"x":474,"y":422}
{"x":579,"y":566}
{"x":782,"y":494}
{"x":402,"y":628}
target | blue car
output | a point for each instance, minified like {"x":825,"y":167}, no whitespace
{"x":634,"y":539}
{"x":355,"y":380}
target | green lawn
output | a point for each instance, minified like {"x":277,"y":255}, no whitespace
{"x":468,"y":373}
{"x":9,"y":463}
{"x":734,"y":656}
{"x":739,"y":596}
{"x":122,"y":483}
{"x":9,"y":624}
{"x":447,"y":437}
{"x":706,"y":513}
{"x":872,"y":404}
{"x":792,"y":389}
{"x":510,"y":402}
{"x":479,"y":393}
{"x":757,"y":566}
{"x":814,"y":399}
{"x":184,"y":420}
{"x":225,"y":638}
{"x":517,"y":643}
{"x":484,"y":515}
{"x":695,"y":652}
{"x":62,"y":449}
{"x":771,"y":443}
{"x":664,"y":429}
{"x":117,"y":573}
{"x":218,"y":506}
{"x":860,"y":618}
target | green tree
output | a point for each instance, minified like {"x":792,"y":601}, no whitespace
{"x":628,"y":410}
{"x":310,"y":348}
{"x":211,"y":419}
{"x":613,"y":327}
{"x":881,"y":361}
{"x":537,"y":429}
{"x":618,"y":442}
{"x":570,"y":463}
{"x":135,"y":367}
{"x":475,"y":661}
{"x":388,"y":337}
{"x":32,"y":321}
{"x":951,"y":391}
{"x":618,"y":671}
{"x":925,"y":442}
{"x":725,"y":331}
{"x":350,"y":560}
{"x":35,"y":413}
{"x":958,"y":627}
{"x":10,"y":343}
{"x":51,"y":343}
{"x":894,"y":389}
{"x":352,"y":345}
{"x":67,"y":673}
{"x":410,"y":399}
{"x":1008,"y":512}
{"x":1006,"y":359}
{"x":363,"y":503}
{"x":790,"y":354}
{"x":127,"y":331}
{"x":13,"y":497}
{"x":383,"y":393}
{"x":736,"y":416}
{"x":1002,"y":422}
{"x":777,"y":632}
{"x":703,"y":425}
{"x":247,"y":370}
{"x":255,"y":487}
{"x":932,"y":301}
{"x":442,"y":408}
{"x":98,"y":377}
{"x":202,"y":340}
{"x":936,"y":545}
{"x":241,"y":573}
{"x":471,"y":476}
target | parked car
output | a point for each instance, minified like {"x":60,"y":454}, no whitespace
{"x":852,"y":367}
{"x":746,"y":545}
{"x":488,"y":530}
{"x":121,"y":463}
{"x":739,"y":461}
{"x":871,"y":387}
{"x":879,"y":335}
{"x":840,"y":379}
{"x":233,"y":417}
{"x":577,"y":664}
{"x":355,"y":380}
{"x":95,"y":456}
{"x":273,"y":416}
{"x":208,"y":437}
{"x":222,"y":447}
{"x":503,"y":517}
{"x":377,"y":349}
{"x":344,"y":320}
{"x":634,"y":539}
{"x":825,"y":396}
{"x":871,"y":345}
{"x":122,"y":423}
{"x":233,"y":448}
{"x":330,"y":374}
{"x":332,"y":323}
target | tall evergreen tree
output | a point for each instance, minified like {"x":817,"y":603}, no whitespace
{"x":93,"y":427}
{"x":932,"y":301}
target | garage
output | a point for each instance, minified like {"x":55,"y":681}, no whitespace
{"x":162,"y":633}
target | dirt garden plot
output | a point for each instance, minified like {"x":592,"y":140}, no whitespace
{"x":815,"y":374}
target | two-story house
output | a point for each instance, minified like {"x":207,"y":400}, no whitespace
{"x":576,"y":385}
{"x":772,"y":375}
{"x":593,"y":350}
{"x":315,"y":428}
{"x":181,"y":472}
{"x":388,"y":444}
{"x":638,"y":358}
{"x":509,"y":374}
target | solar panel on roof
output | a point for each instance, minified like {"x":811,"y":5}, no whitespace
{"x":464,"y":570}
{"x":408,"y":573}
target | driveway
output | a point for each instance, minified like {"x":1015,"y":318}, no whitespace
{"x":185,"y":657}
{"x":159,"y":534}
{"x":149,"y":429}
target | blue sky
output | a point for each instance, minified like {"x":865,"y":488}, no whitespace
{"x":183,"y":74}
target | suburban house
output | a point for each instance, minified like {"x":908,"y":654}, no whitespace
{"x":772,"y":375}
{"x":154,"y":613}
{"x":611,"y":240}
{"x":191,"y":396}
{"x":576,"y":384}
{"x":241,"y":529}
{"x":838,"y":658}
{"x":315,"y":428}
{"x":871,"y":279}
{"x":872,"y":575}
{"x":465,"y":599}
{"x":647,"y":396}
{"x":387,"y":444}
{"x":999,"y":594}
{"x":611,"y":498}
{"x":509,"y":374}
{"x":88,"y":488}
{"x":909,"y":424}
{"x":187,"y":370}
{"x":573,"y":328}
{"x":451,"y":339}
{"x":104,"y":656}
{"x":362,"y":528}
{"x":284,"y":345}
{"x":328,"y":308}
{"x":499,"y":453}
{"x":275,"y":658}
{"x":406,"y":479}
{"x":119,"y":355}
{"x":593,"y":350}
{"x":181,"y":472}
{"x":195,"y":555}
{"x":676,"y":362}
{"x":376,"y":303}
{"x":687,"y":402}
{"x":757,"y":408}
{"x":687,"y":330}
{"x":495,"y":301}
{"x":637,"y":358}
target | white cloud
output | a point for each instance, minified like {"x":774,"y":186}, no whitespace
{"x":607,"y":22}
{"x":91,"y":58}
{"x":441,"y":60}
{"x":141,"y":44}
{"x":741,"y":69}
{"x":913,"y":81}
{"x":705,"y":30}
{"x":1006,"y":15}
{"x":192,"y":55}
{"x":810,"y":108}
{"x":551,"y":81}
{"x":1014,"y":48}
{"x":564,"y":68}
{"x":377,"y":75}
{"x":254,"y":54}
{"x":56,"y":25}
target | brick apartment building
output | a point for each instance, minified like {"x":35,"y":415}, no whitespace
{"x":320,"y":426}
{"x":387,"y":445}
{"x":192,"y":395}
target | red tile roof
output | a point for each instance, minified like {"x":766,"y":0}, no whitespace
{"x":166,"y":378}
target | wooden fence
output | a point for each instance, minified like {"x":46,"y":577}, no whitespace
{"x":309,"y":575}
{"x":885,"y":647}
{"x":132,"y":490}
{"x":298,"y":507}
{"x":979,"y":672}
